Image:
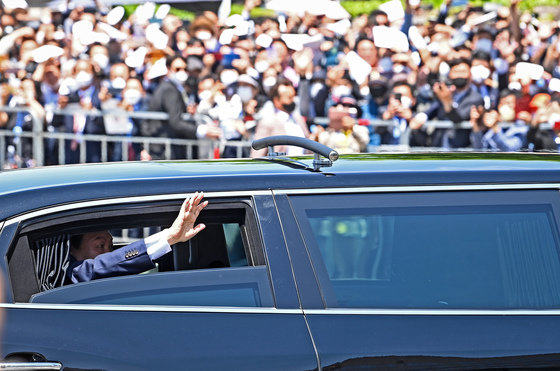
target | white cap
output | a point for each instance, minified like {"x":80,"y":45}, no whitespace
{"x":157,"y":69}
{"x":263,"y":40}
{"x":115,"y":15}
{"x":136,"y":58}
{"x":45,"y":52}
{"x":248,"y":80}
{"x":393,"y":9}
{"x":156,"y":36}
{"x":162,"y":11}
{"x":15,"y":4}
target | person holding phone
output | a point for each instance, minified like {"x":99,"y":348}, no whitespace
{"x":343,"y":133}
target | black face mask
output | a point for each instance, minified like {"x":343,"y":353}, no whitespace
{"x":460,"y":82}
{"x":290,"y":107}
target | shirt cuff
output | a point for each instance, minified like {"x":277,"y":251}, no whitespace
{"x":157,"y":245}
{"x":201,"y":131}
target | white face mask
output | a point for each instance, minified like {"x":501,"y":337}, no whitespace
{"x":341,"y":91}
{"x":180,"y":77}
{"x":245,"y":93}
{"x":406,"y":101}
{"x":118,"y":83}
{"x":101,"y":60}
{"x":203,"y":35}
{"x":315,"y":88}
{"x":479,"y":73}
{"x":229,"y":77}
{"x":507,"y":113}
{"x":205,"y":95}
{"x":84,"y":79}
{"x":132,"y":96}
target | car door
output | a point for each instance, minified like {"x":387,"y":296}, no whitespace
{"x":199,"y":310}
{"x":462,"y":277}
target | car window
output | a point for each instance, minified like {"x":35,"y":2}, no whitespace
{"x":222,"y":266}
{"x":420,"y":251}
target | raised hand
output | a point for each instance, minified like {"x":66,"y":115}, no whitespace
{"x":183,"y":228}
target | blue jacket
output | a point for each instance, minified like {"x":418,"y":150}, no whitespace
{"x":130,"y":259}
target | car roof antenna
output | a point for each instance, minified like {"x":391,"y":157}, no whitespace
{"x":286,"y":140}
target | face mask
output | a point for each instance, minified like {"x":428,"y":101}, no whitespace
{"x":290,"y":107}
{"x":101,"y":60}
{"x":341,"y":91}
{"x":443,"y":69}
{"x":205,"y":95}
{"x":118,"y":83}
{"x":506,"y":113}
{"x":268,"y":83}
{"x":261,"y":66}
{"x":406,"y":101}
{"x":132,"y":96}
{"x":514,"y":85}
{"x":84,"y":79}
{"x":398,"y":68}
{"x":479,"y":73}
{"x":229,"y":77}
{"x":460,"y":82}
{"x":245,"y":93}
{"x":179,"y":77}
{"x":203,"y":35}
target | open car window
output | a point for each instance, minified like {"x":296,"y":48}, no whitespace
{"x":223,"y":265}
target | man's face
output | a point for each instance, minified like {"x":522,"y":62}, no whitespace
{"x":178,"y":65}
{"x":285,"y":97}
{"x":366,"y":49}
{"x":94,"y":244}
{"x":404,"y":95}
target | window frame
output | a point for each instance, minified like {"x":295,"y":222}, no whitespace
{"x":388,"y":197}
{"x":70,"y":218}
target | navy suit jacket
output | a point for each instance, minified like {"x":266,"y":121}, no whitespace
{"x":130,"y":259}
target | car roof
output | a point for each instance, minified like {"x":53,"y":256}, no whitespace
{"x":28,"y":189}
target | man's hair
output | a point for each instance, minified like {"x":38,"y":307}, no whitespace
{"x":169,"y":60}
{"x":274,"y":92}
{"x":405,"y":83}
{"x":455,"y":62}
{"x":507,"y":92}
{"x":481,"y":55}
{"x":373,"y":16}
{"x":76,"y":240}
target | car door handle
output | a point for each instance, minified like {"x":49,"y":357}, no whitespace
{"x":16,"y":366}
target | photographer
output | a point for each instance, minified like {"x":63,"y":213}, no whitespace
{"x":343,"y":133}
{"x":488,"y":135}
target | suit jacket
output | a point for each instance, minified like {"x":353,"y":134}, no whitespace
{"x":131,"y":259}
{"x":167,"y":98}
{"x":277,"y":124}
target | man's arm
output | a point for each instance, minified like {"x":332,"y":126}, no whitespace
{"x":138,"y":257}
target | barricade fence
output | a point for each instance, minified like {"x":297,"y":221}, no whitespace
{"x":11,"y":151}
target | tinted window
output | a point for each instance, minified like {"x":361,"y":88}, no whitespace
{"x":430,"y":255}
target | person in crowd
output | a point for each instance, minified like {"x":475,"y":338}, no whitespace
{"x":285,"y":119}
{"x":488,"y":135}
{"x":343,"y":133}
{"x":92,"y":255}
{"x":171,"y":97}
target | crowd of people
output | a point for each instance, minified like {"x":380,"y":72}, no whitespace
{"x":309,"y":71}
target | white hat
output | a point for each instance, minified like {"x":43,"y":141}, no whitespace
{"x":136,"y":58}
{"x":157,"y":69}
{"x":248,"y":80}
{"x":115,"y":15}
{"x":45,"y":52}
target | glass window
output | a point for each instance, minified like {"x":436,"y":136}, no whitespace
{"x":428,"y":256}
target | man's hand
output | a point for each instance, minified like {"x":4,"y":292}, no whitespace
{"x":183,"y":228}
